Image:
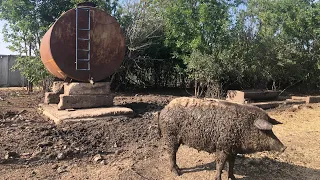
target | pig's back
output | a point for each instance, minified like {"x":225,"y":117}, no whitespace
{"x":203,"y":124}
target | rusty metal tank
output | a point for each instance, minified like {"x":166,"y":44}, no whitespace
{"x":81,"y":35}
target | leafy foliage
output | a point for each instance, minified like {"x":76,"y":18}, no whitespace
{"x":27,"y":21}
{"x":195,"y":25}
{"x":30,"y":67}
{"x":209,"y":45}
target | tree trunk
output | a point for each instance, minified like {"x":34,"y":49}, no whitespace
{"x":44,"y":85}
{"x":156,"y":74}
{"x":196,"y":88}
{"x":30,"y":87}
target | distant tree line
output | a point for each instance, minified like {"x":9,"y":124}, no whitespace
{"x":208,"y":45}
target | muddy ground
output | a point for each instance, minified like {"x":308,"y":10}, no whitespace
{"x":32,"y":147}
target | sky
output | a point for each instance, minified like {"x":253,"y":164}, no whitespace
{"x":3,"y":45}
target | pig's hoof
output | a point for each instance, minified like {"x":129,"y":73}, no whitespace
{"x":176,"y":171}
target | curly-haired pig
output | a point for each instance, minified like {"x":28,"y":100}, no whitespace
{"x":216,"y":126}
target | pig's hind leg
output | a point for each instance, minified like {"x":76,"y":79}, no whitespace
{"x":221,"y":158}
{"x":172,"y":148}
{"x":231,"y":160}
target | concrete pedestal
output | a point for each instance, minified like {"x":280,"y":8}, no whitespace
{"x":79,"y":95}
{"x":84,"y":101}
{"x":255,"y":95}
{"x":100,"y":88}
{"x":53,"y":97}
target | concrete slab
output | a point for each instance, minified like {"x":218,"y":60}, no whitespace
{"x":313,"y":99}
{"x":57,"y":87}
{"x":274,"y":104}
{"x":51,"y":98}
{"x":307,"y":99}
{"x":267,"y":105}
{"x":292,"y":101}
{"x":303,"y":98}
{"x":85,"y":101}
{"x":255,"y":95}
{"x":235,"y":96}
{"x":59,"y":116}
{"x":77,"y":88}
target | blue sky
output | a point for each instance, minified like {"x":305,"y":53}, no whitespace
{"x":3,"y":45}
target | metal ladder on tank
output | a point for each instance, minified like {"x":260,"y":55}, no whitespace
{"x":86,"y":29}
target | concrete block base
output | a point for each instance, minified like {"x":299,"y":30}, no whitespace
{"x":255,"y":95}
{"x":51,"y":111}
{"x":307,"y":99}
{"x":79,"y":95}
{"x":313,"y":99}
{"x":302,"y":98}
{"x":236,"y":96}
{"x":99,"y":88}
{"x":84,"y":101}
{"x":274,"y":104}
{"x":58,"y":87}
{"x":51,"y":98}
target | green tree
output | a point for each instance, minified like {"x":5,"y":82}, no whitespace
{"x":195,"y":25}
{"x":286,"y":41}
{"x":197,"y":30}
{"x":147,"y":62}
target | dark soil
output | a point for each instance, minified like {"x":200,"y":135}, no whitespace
{"x":32,"y":147}
{"x":37,"y":140}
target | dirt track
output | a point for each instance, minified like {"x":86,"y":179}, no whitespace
{"x":130,"y":148}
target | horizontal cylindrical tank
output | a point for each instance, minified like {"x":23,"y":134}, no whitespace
{"x":99,"y":50}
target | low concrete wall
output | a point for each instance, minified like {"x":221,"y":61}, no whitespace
{"x":7,"y":76}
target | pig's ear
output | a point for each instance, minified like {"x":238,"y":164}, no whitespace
{"x":262,"y":124}
{"x":274,"y":122}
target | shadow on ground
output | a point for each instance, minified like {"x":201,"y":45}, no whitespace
{"x":159,"y":91}
{"x":263,"y":169}
{"x":143,"y":107}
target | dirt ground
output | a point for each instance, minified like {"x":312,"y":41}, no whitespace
{"x":32,"y":147}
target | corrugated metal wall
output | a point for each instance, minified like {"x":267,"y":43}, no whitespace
{"x":7,"y":76}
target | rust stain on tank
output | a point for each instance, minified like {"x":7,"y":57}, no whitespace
{"x":58,"y":46}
